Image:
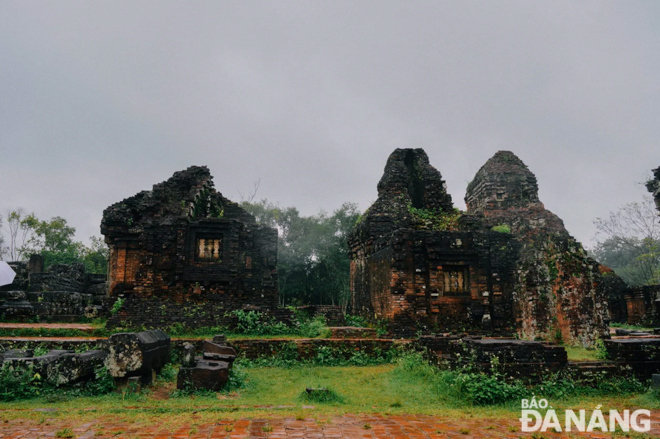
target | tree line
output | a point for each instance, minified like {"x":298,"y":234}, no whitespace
{"x":628,"y":241}
{"x":23,"y":234}
{"x":313,"y":263}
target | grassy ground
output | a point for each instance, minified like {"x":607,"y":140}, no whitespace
{"x":631,"y":327}
{"x":276,"y":392}
{"x":581,"y":354}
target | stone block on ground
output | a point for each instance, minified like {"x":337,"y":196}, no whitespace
{"x":218,"y":348}
{"x":211,"y":371}
{"x":16,"y":353}
{"x":203,"y":376}
{"x":138,"y":354}
{"x":59,"y":367}
{"x":72,"y":368}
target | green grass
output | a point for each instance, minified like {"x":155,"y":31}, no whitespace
{"x":576,"y":353}
{"x":631,"y":327}
{"x":405,"y":388}
{"x":358,"y":389}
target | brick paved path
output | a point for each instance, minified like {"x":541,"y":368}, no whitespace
{"x":348,"y":426}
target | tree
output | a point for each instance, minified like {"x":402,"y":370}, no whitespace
{"x":22,"y":235}
{"x":313,"y":259}
{"x":53,"y":239}
{"x":95,"y":257}
{"x":628,"y":241}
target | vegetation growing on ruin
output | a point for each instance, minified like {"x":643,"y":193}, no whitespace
{"x":250,"y":324}
{"x":205,"y":206}
{"x":26,"y":384}
{"x":435,"y":219}
{"x":257,"y":323}
{"x":501,"y":228}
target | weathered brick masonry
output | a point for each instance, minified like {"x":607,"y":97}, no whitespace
{"x":183,"y":243}
{"x":558,"y":293}
{"x":428,"y":276}
{"x":61,"y":293}
{"x":505,"y":265}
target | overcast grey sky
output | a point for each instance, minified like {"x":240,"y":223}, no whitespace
{"x":99,"y":100}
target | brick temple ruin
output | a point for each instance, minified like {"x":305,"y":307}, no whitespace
{"x":183,"y":253}
{"x":505,"y":266}
{"x":59,"y":293}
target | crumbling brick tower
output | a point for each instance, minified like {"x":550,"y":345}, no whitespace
{"x":418,"y":264}
{"x":183,"y":253}
{"x":559,"y":291}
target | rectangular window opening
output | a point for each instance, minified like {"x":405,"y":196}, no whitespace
{"x":456,"y":280}
{"x":209,"y":249}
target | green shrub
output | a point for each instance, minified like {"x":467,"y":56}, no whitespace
{"x":320,"y":395}
{"x":461,"y":384}
{"x":434,"y":219}
{"x":169,"y":372}
{"x":101,"y":384}
{"x":65,"y":433}
{"x":26,"y":384}
{"x":501,"y":228}
{"x":18,"y":384}
{"x":257,"y":323}
{"x":117,"y":305}
{"x":237,"y":379}
{"x":488,"y":389}
{"x":357,"y":321}
{"x":312,"y":328}
{"x":601,"y":351}
{"x":288,"y":357}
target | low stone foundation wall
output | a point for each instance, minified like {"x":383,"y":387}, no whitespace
{"x":345,"y":332}
{"x":529,"y":360}
{"x":50,"y":305}
{"x":333,"y":314}
{"x":642,"y":355}
{"x":153,"y":312}
{"x":248,"y":348}
{"x":305,"y":348}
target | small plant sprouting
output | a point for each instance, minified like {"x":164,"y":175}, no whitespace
{"x":65,"y":433}
{"x":117,"y":305}
{"x":501,"y":228}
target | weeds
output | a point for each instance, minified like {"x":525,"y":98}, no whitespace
{"x":288,"y":356}
{"x":19,"y":383}
{"x":65,"y":433}
{"x":321,"y":395}
{"x":117,"y":305}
